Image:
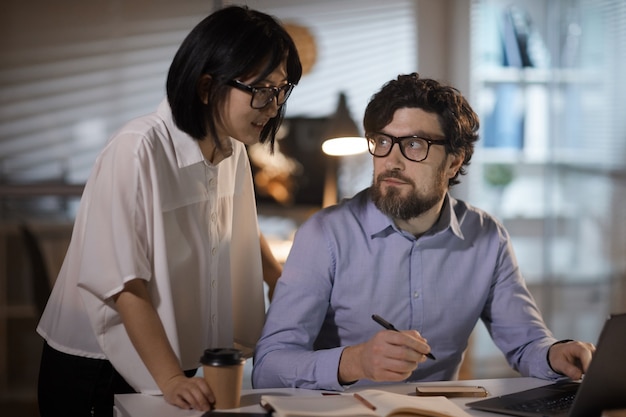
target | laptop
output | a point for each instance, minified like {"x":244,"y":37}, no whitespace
{"x":603,"y":387}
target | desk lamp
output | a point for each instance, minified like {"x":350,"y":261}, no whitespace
{"x":342,"y":138}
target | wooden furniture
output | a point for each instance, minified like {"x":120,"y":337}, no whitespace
{"x":20,"y":346}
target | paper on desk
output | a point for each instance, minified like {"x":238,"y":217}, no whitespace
{"x":346,"y":405}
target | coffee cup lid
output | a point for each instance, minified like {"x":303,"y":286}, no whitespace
{"x":222,"y":357}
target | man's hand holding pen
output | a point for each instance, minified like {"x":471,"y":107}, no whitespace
{"x":390,"y":326}
{"x":389,"y":356}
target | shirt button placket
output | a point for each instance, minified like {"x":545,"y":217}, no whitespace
{"x":213,"y":260}
{"x":416,"y":278}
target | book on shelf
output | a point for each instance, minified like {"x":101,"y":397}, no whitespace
{"x":503,"y":123}
{"x":523,"y":45}
{"x":514,"y":38}
{"x":371,"y":402}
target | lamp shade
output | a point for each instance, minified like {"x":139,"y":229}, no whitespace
{"x":342,"y":137}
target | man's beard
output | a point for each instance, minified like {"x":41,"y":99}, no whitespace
{"x":396,"y":206}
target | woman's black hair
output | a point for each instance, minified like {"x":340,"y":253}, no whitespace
{"x":232,"y":43}
{"x":458,"y":121}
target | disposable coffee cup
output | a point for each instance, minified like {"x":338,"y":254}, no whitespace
{"x":223,"y":371}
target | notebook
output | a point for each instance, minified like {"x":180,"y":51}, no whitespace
{"x":603,"y":387}
{"x":366,"y":403}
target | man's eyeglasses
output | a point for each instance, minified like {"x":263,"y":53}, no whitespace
{"x":413,"y":148}
{"x":261,"y":96}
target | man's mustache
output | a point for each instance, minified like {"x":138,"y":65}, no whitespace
{"x":394,"y":174}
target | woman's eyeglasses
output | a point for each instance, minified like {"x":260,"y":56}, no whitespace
{"x":262,"y":96}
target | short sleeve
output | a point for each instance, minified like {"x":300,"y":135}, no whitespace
{"x":115,"y":237}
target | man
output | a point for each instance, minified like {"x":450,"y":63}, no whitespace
{"x":406,"y":250}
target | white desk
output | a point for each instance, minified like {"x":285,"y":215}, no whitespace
{"x":140,"y":405}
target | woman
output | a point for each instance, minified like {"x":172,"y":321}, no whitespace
{"x":166,"y":258}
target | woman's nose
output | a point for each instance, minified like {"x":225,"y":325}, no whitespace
{"x":272,"y":107}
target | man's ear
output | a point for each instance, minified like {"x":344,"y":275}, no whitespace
{"x":455,"y":163}
{"x":203,"y":88}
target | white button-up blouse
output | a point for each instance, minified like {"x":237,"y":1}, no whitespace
{"x":154,"y":208}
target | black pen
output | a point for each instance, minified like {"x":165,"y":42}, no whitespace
{"x":390,"y":326}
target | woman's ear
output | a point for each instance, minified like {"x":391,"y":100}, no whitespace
{"x":203,"y":88}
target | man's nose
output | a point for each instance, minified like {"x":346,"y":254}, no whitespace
{"x":395,"y":159}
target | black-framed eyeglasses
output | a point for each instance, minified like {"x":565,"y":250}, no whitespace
{"x":261,"y":96}
{"x":413,"y":148}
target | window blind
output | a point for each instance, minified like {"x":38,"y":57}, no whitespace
{"x":73,"y":72}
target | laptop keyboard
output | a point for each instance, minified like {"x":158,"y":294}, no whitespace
{"x":546,"y":405}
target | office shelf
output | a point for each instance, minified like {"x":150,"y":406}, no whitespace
{"x":550,"y":161}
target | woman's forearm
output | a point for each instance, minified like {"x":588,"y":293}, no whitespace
{"x":146,"y":332}
{"x":272,"y":269}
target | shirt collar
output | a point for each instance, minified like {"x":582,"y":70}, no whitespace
{"x":380,"y":225}
{"x":448,"y":218}
{"x":186,"y":148}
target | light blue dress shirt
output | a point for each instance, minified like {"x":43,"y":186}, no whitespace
{"x":350,"y":261}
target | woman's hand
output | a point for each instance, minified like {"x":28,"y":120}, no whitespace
{"x":189,"y":393}
{"x":147,"y":334}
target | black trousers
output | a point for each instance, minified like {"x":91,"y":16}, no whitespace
{"x":74,"y":386}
